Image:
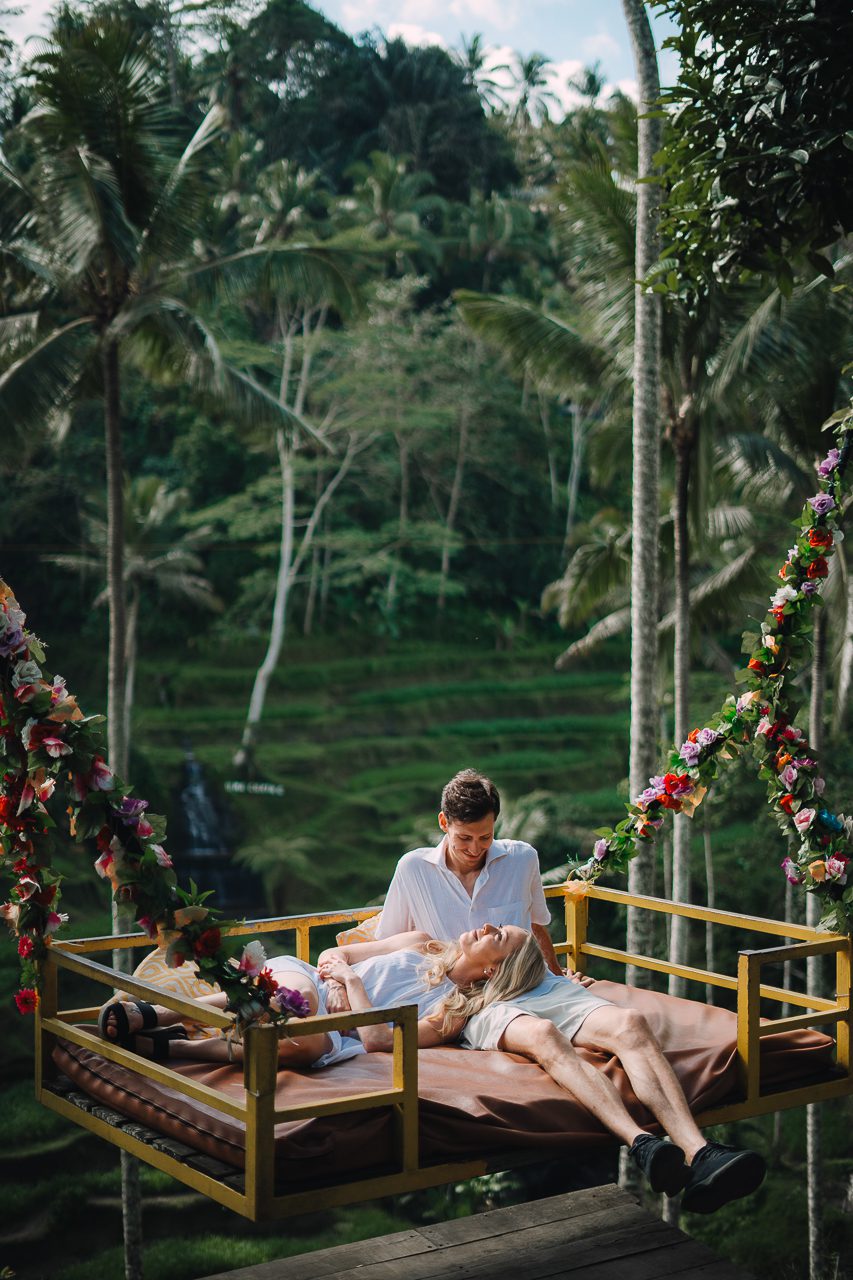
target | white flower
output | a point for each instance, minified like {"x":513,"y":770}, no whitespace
{"x":252,"y":960}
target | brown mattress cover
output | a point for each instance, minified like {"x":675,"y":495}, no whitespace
{"x":471,"y":1102}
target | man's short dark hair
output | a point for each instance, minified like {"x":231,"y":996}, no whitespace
{"x":470,"y":796}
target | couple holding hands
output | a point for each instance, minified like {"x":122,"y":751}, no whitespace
{"x":497,"y":985}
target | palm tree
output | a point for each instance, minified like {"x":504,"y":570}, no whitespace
{"x":479,"y":71}
{"x":529,"y":80}
{"x":645,"y":444}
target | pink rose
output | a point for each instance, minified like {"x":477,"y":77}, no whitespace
{"x":252,"y":960}
{"x":803,"y":819}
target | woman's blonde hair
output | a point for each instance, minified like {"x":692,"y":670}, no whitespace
{"x":519,"y":972}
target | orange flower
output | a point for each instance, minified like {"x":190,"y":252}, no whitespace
{"x":817,"y":870}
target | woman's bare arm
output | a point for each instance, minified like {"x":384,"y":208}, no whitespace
{"x":355,"y":951}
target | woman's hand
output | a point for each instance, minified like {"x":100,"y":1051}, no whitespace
{"x":332,"y":967}
{"x":331,"y":953}
{"x":580,"y":978}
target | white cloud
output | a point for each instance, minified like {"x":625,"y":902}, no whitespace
{"x":414,"y":35}
{"x":602,"y":45}
{"x":502,"y":17}
{"x":361,"y":15}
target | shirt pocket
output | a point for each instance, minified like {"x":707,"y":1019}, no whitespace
{"x":508,"y":913}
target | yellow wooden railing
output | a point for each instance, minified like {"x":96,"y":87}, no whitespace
{"x":258,"y":1112}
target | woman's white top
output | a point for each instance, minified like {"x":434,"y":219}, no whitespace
{"x":398,"y":979}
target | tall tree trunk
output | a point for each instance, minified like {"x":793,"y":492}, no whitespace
{"x":646,"y":464}
{"x":814,"y":982}
{"x":453,"y":504}
{"x":131,"y":1195}
{"x":573,"y":483}
{"x":244,"y":754}
{"x":130,"y":662}
{"x":545,"y":421}
{"x":402,"y":521}
{"x":679,"y":937}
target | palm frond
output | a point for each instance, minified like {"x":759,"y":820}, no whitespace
{"x":163,"y":333}
{"x":715,"y":589}
{"x":167,"y":225}
{"x":307,"y":271}
{"x":543,"y":345}
{"x":613,"y":625}
{"x":42,"y":380}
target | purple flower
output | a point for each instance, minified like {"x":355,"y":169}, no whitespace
{"x":829,"y":464}
{"x":647,"y":797}
{"x":690,"y":752}
{"x":792,"y":872}
{"x":600,"y":850}
{"x":707,"y":737}
{"x":131,"y":810}
{"x":804,"y":762}
{"x":821,"y":504}
{"x":292,"y":1003}
{"x":809,"y":587}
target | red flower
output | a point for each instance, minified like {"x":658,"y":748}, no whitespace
{"x":102,"y":840}
{"x":818,"y":568}
{"x":783,"y":572}
{"x":267,"y":982}
{"x":669,"y":802}
{"x":779,"y":613}
{"x":26,"y":946}
{"x":678,"y":784}
{"x":786,"y":802}
{"x":820,"y":537}
{"x":26,"y":999}
{"x":755,"y":665}
{"x":207,"y":943}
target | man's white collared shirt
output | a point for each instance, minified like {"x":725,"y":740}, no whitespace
{"x":425,"y":894}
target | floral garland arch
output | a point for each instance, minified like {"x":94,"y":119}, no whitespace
{"x":56,"y":785}
{"x":820,"y":841}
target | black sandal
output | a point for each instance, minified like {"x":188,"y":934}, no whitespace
{"x":161,"y":1040}
{"x":124,"y":1037}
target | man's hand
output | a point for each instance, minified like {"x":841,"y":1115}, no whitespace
{"x":332,"y":967}
{"x":581,"y":979}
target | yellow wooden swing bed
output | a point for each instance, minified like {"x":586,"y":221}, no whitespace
{"x":256,"y":1197}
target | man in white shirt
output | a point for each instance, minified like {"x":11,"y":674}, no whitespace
{"x":469,"y":879}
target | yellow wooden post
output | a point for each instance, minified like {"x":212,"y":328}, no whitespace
{"x":47,"y":1007}
{"x":303,"y":942}
{"x":405,"y":1077}
{"x":748,"y":1040}
{"x":260,"y":1064}
{"x":844,"y":990}
{"x":577,"y":924}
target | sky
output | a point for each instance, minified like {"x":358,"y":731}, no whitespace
{"x":571,"y":33}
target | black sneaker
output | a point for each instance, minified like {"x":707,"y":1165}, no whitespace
{"x":661,"y":1162}
{"x":719,"y":1174}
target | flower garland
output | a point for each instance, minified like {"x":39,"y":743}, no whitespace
{"x":55,"y":785}
{"x":821,"y":842}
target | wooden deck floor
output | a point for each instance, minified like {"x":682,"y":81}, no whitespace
{"x":598,"y":1234}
